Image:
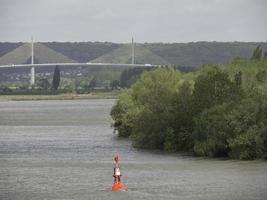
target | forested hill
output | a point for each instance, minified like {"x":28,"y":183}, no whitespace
{"x":192,"y":54}
{"x":195,"y":54}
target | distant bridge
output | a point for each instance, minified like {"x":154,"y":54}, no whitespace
{"x":33,"y":65}
{"x":79,"y":64}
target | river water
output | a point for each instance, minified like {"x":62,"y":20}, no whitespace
{"x":64,"y":150}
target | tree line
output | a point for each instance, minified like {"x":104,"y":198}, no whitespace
{"x":217,"y":111}
{"x":44,"y":83}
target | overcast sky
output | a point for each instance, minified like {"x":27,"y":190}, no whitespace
{"x":146,"y":20}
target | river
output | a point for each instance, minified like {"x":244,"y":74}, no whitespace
{"x":64,"y":150}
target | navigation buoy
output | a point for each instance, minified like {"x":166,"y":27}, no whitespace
{"x":118,"y":185}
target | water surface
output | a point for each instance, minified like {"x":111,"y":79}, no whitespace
{"x":64,"y":150}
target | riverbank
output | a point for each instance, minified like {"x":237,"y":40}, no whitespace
{"x":65,"y":96}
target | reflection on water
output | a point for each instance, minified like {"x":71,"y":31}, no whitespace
{"x":64,"y":150}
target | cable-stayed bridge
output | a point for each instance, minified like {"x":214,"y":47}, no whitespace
{"x":74,"y":64}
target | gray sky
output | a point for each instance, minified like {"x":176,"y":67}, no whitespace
{"x":146,"y":20}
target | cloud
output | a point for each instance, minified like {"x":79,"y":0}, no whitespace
{"x":147,"y":20}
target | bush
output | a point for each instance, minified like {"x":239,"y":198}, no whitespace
{"x":233,"y":130}
{"x":123,"y":114}
{"x":211,"y":131}
{"x":209,"y":112}
{"x":248,"y":145}
{"x":154,"y":95}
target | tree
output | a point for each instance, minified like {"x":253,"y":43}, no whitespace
{"x":257,"y":53}
{"x":211,"y":112}
{"x":154,"y":95}
{"x":214,"y":87}
{"x":236,"y":130}
{"x":115,"y":84}
{"x":130,"y":76}
{"x":92,"y":84}
{"x":238,"y":78}
{"x":43,"y":83}
{"x":211,"y":131}
{"x":261,"y":75}
{"x":123,"y":113}
{"x":179,"y":135}
{"x":56,"y":78}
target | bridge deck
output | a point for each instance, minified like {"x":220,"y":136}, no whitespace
{"x":79,"y":64}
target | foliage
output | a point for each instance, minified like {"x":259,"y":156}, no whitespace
{"x":153,"y":95}
{"x":92,"y":84}
{"x":123,"y":114}
{"x":213,"y":88}
{"x":32,"y":92}
{"x":216,"y":111}
{"x":199,"y":53}
{"x":129,"y":76}
{"x":56,"y":78}
{"x":257,"y":53}
{"x":234,"y":130}
{"x":115,"y":84}
{"x":179,"y":137}
{"x":43,"y":84}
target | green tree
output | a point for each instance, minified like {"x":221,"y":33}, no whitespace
{"x":211,"y":131}
{"x":214,"y":87}
{"x":154,"y":95}
{"x":130,"y":76}
{"x":56,"y":78}
{"x":232,"y":130}
{"x":261,"y":75}
{"x":250,"y":128}
{"x":123,"y":114}
{"x":257,"y":53}
{"x":213,"y":112}
{"x":92,"y":84}
{"x":115,"y":84}
{"x":179,"y":134}
{"x":43,"y":84}
{"x":238,"y":78}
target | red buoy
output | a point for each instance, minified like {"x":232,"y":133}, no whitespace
{"x":118,"y":185}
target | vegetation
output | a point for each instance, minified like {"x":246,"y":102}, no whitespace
{"x":28,"y":92}
{"x":33,"y":95}
{"x":56,"y":78}
{"x":129,"y":76}
{"x":180,"y":54}
{"x":83,"y":51}
{"x":217,"y":111}
{"x":257,"y":53}
{"x":6,"y":47}
{"x":43,"y":84}
{"x":192,"y":54}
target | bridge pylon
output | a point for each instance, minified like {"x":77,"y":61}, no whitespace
{"x":32,"y":81}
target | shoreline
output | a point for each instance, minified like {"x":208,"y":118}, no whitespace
{"x":66,"y":96}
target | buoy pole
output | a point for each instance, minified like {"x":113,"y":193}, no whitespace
{"x":118,"y":185}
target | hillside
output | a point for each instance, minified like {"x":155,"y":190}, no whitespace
{"x":83,"y":51}
{"x":6,"y":47}
{"x":124,"y":55}
{"x":42,"y":54}
{"x":193,"y":54}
